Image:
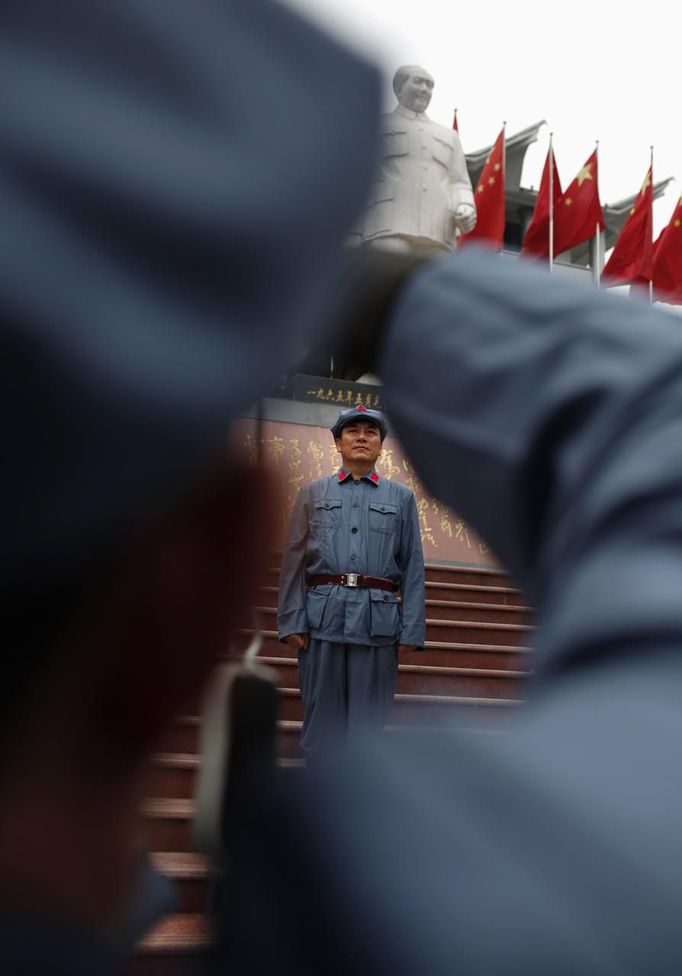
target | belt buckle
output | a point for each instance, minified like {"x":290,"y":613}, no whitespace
{"x":351,"y":580}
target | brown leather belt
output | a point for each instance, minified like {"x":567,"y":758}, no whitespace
{"x":354,"y":580}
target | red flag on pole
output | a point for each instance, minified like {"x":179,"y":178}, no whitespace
{"x":489,"y":198}
{"x":632,"y":259}
{"x":668,"y":260}
{"x":536,"y":241}
{"x":455,"y":124}
{"x":578,"y":211}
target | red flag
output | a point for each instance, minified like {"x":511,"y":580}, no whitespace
{"x":489,"y":198}
{"x":668,"y":260}
{"x":578,"y":211}
{"x":536,"y":241}
{"x":455,"y":124}
{"x":632,"y":259}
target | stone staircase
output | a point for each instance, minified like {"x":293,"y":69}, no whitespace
{"x":471,"y":673}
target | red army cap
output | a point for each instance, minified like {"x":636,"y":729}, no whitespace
{"x":360,"y":412}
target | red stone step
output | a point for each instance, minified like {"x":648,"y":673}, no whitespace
{"x":184,"y":733}
{"x":481,"y":575}
{"x":473,"y":593}
{"x":183,"y":737}
{"x":469,"y":632}
{"x":420,"y":679}
{"x":498,"y":657}
{"x":477,"y":578}
{"x":457,"y":606}
{"x":189,"y":873}
{"x":172,"y":946}
{"x":474,"y":575}
{"x":174,"y":774}
{"x":167,"y":823}
{"x":476,"y":631}
{"x":416,"y":678}
{"x":438,"y":637}
{"x":465,"y":592}
{"x":422,"y":709}
{"x":433,"y":710}
{"x":477,"y":612}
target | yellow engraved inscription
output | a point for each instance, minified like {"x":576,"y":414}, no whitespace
{"x":317,"y":455}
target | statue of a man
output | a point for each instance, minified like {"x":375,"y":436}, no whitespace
{"x":423,"y":193}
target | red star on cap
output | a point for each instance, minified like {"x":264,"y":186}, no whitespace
{"x":362,"y":408}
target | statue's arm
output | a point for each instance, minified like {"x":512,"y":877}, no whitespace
{"x":462,"y":202}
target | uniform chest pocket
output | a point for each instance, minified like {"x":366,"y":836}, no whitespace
{"x":327,"y":513}
{"x":395,"y":144}
{"x":441,"y":151}
{"x":383,"y":517}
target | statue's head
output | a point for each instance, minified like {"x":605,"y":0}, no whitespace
{"x":413,"y":87}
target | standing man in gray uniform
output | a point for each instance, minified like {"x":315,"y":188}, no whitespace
{"x":353,"y":543}
{"x":422,"y":196}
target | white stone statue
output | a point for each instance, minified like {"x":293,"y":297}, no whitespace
{"x":422,"y":196}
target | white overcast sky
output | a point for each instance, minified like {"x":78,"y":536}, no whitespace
{"x":603,"y":70}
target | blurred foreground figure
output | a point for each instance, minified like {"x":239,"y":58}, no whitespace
{"x":550,"y":418}
{"x":148,"y":293}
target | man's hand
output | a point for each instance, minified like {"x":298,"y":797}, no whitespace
{"x":374,"y":278}
{"x":465,"y":217}
{"x":299,"y":642}
{"x":407,"y":647}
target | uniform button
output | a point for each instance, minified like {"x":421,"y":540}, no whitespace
{"x":385,"y":596}
{"x":353,"y":556}
{"x":356,"y":504}
{"x":354,"y":529}
{"x":424,"y":189}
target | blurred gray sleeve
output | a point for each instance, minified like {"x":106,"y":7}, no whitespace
{"x":549,"y":416}
{"x":291,"y":609}
{"x":157,"y":160}
{"x":412,"y":587}
{"x":551,"y":419}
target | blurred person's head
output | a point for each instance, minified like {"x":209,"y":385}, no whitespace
{"x":149,"y":293}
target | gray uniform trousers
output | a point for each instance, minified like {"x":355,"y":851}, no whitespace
{"x":345,"y":687}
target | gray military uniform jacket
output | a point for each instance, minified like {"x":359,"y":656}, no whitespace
{"x":368,"y":527}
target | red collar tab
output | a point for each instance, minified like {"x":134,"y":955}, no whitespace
{"x":342,"y":474}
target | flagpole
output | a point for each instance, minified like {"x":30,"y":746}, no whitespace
{"x":551,"y":203}
{"x":596,"y":230}
{"x":651,"y":222}
{"x":504,"y":173}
